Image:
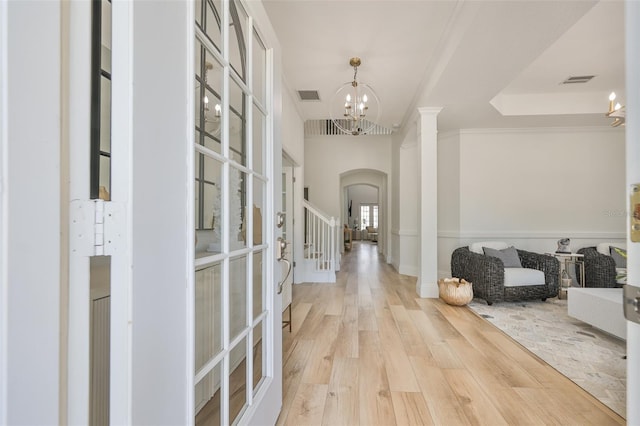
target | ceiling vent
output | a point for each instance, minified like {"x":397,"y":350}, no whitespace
{"x":578,"y":79}
{"x":309,"y":95}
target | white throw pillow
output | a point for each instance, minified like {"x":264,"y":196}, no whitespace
{"x":603,"y":248}
{"x":497,"y":245}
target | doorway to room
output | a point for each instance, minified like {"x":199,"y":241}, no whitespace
{"x":363,"y":206}
{"x":362,"y":212}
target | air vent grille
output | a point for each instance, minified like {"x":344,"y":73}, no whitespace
{"x":578,"y":79}
{"x":328,"y":128}
{"x":309,"y":95}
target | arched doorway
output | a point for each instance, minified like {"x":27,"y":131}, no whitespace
{"x":367,"y":181}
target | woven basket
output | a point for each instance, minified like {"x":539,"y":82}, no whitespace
{"x":455,"y":291}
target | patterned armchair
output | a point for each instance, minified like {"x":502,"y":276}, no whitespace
{"x":600,"y":269}
{"x":487,"y":274}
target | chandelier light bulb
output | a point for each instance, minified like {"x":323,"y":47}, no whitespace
{"x":364,"y":98}
{"x":348,"y":98}
{"x":217,"y":109}
{"x":617,"y":107}
{"x":612,"y":96}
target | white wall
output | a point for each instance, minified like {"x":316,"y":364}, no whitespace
{"x":405,"y":249}
{"x":531,"y":187}
{"x":327,"y":157}
{"x":30,"y":265}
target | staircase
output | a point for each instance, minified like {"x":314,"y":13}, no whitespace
{"x":322,"y":239}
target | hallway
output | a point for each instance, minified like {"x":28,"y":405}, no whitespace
{"x":367,"y":351}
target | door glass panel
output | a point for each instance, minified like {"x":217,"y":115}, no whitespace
{"x":237,"y":42}
{"x":258,"y":293}
{"x":105,"y":115}
{"x":238,"y":380}
{"x":237,"y":120}
{"x":199,"y":12}
{"x":208,"y":99}
{"x":237,"y":204}
{"x":237,"y":296}
{"x":259,"y":197}
{"x":259,"y":64}
{"x":259,"y":135}
{"x":208,"y":398}
{"x":208,"y":204}
{"x":213,"y":22}
{"x":105,"y":178}
{"x":258,"y":355}
{"x":208,"y":314}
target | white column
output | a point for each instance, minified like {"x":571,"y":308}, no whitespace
{"x":632,"y":26}
{"x":427,"y":284}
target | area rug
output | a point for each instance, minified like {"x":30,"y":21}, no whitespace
{"x":589,"y":357}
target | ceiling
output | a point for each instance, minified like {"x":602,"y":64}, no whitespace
{"x":487,"y":63}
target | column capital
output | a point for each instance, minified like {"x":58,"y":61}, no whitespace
{"x":429,"y":110}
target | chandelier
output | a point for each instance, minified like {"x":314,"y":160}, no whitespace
{"x":616,"y":111}
{"x":355,"y":108}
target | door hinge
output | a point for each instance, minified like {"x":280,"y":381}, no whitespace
{"x":294,"y":179}
{"x":294,"y":264}
{"x":97,"y":227}
{"x":631,"y":303}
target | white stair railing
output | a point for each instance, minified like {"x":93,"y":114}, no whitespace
{"x":321,"y":238}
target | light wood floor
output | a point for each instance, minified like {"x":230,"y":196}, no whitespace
{"x":368,"y":351}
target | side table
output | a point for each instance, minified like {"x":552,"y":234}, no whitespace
{"x":567,"y":259}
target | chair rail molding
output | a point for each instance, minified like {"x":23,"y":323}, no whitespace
{"x":474,"y":235}
{"x":405,"y":232}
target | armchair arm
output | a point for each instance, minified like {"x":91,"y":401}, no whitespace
{"x":486,"y":273}
{"x":599,"y":269}
{"x":545,"y":263}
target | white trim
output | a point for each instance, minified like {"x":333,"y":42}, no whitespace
{"x":592,"y":129}
{"x":405,"y":232}
{"x":531,"y":235}
{"x":189,"y":201}
{"x":79,"y":275}
{"x":4,"y":211}
{"x":121,"y":357}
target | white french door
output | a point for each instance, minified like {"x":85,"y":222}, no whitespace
{"x":194,"y":331}
{"x":234,"y":312}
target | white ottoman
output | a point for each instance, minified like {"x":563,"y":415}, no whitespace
{"x":599,"y":307}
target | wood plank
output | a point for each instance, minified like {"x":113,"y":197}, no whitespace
{"x":347,"y":339}
{"x":292,"y":372}
{"x":411,"y":409}
{"x":442,"y":401}
{"x":477,"y":405}
{"x":376,"y":406}
{"x":396,"y":361}
{"x":411,"y":339}
{"x":341,"y":406}
{"x":320,"y":363}
{"x":308,"y":405}
{"x":336,"y":300}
